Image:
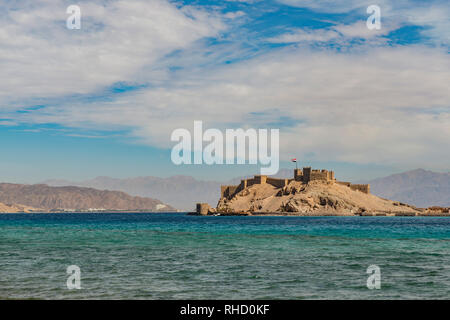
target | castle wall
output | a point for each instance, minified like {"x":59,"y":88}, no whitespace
{"x":304,"y":175}
{"x":357,"y":187}
{"x":228,"y":191}
{"x":319,"y":175}
{"x":223,"y":190}
{"x":251,"y":182}
{"x":361,"y":187}
{"x":260,"y":179}
{"x":232,"y":190}
{"x":278,"y":183}
{"x":298,"y":175}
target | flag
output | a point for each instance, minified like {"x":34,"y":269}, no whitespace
{"x":294,"y":160}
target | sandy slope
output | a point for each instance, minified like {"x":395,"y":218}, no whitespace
{"x":315,"y":197}
{"x":14,"y":208}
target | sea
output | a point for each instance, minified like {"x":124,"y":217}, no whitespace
{"x":177,"y":256}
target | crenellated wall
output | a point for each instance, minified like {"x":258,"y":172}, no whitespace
{"x":319,"y":175}
{"x":361,"y":187}
{"x":298,"y":175}
{"x":250,"y":182}
{"x":260,"y":179}
{"x":307,"y":174}
{"x":228,"y":191}
{"x":344,"y":183}
{"x":357,"y":187}
{"x":278,"y":183}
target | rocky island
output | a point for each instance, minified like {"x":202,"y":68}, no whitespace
{"x":309,"y":193}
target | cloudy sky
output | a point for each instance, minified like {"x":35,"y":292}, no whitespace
{"x":104,"y":100}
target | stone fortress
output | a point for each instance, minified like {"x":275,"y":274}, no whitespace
{"x":309,"y":193}
{"x":304,"y":175}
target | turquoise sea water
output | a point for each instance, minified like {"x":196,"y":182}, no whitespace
{"x":175,"y":256}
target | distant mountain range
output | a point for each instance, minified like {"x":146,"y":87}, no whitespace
{"x":419,"y":187}
{"x":75,"y":198}
{"x":182,"y":192}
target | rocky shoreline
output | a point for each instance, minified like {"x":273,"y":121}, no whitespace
{"x":324,"y":214}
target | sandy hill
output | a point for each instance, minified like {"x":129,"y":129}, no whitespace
{"x":316,"y":197}
{"x":75,"y":198}
{"x":14,"y":208}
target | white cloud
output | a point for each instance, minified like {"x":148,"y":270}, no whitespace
{"x":40,"y":57}
{"x":435,"y":18}
{"x":244,"y":1}
{"x":341,"y":33}
{"x":234,"y":14}
{"x":332,"y":6}
{"x":300,"y":35}
{"x":360,"y":30}
{"x":433,"y":15}
{"x":387,"y":105}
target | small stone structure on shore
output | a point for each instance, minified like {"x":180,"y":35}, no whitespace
{"x":203,"y":209}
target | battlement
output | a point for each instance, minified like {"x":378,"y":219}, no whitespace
{"x":357,"y":187}
{"x":361,"y":187}
{"x":304,"y":175}
{"x":307,"y":174}
{"x":229,"y":191}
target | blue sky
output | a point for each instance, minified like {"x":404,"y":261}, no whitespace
{"x":103,"y":100}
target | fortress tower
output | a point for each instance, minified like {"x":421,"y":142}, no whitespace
{"x":306,"y":174}
{"x":298,"y":175}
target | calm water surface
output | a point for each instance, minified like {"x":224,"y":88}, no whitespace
{"x":174,"y":256}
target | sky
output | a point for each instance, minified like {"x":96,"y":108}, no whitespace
{"x":103,"y":100}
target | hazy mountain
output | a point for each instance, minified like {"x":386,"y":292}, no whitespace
{"x":182,"y":192}
{"x":419,"y":187}
{"x":78,"y":198}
